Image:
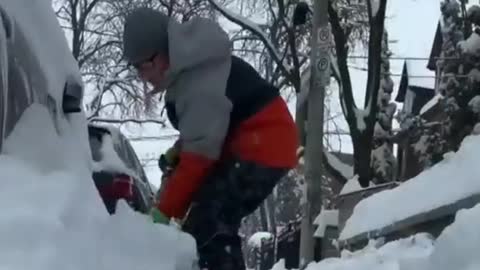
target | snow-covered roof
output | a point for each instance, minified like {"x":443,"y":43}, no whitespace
{"x":415,"y":37}
{"x":345,"y":169}
{"x":419,"y":75}
{"x":324,"y":219}
{"x":417,"y":83}
{"x":352,"y":185}
{"x":432,"y":102}
{"x":429,"y":190}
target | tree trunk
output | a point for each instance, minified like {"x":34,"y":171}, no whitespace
{"x":362,"y":136}
{"x":362,"y":151}
{"x":300,"y":120}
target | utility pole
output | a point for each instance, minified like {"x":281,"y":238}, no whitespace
{"x":319,"y":79}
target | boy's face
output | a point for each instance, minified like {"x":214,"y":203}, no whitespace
{"x":153,"y":69}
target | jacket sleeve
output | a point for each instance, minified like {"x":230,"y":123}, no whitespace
{"x":203,"y":111}
{"x":203,"y":125}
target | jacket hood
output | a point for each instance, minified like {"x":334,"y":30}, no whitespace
{"x":194,"y":43}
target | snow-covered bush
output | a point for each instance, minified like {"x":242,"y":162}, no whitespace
{"x":459,"y":84}
{"x":383,"y":161}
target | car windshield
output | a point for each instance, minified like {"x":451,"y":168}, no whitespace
{"x":121,"y":146}
{"x":128,"y":155}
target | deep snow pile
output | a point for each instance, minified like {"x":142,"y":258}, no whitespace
{"x":455,"y":249}
{"x":53,"y":218}
{"x":458,"y":245}
{"x":454,"y":178}
{"x":390,"y":256}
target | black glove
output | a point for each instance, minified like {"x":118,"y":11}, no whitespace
{"x":169,"y":160}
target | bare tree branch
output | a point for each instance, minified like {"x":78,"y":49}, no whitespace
{"x":244,"y":23}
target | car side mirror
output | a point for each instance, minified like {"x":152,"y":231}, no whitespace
{"x":72,"y":96}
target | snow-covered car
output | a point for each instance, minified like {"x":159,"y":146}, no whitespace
{"x":117,"y":172}
{"x":52,"y":216}
{"x":25,"y":78}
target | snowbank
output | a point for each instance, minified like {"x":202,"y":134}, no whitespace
{"x":257,"y":238}
{"x":455,"y":178}
{"x":53,"y":217}
{"x":390,"y":256}
{"x":455,"y":249}
{"x":55,"y":221}
{"x":458,"y":245}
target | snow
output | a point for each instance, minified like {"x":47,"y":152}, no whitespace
{"x":432,"y":102}
{"x":457,"y":247}
{"x":351,"y":186}
{"x":110,"y":160}
{"x":476,"y":129}
{"x":471,"y":45}
{"x":52,"y":216}
{"x":391,"y":256}
{"x":35,"y":19}
{"x":344,"y":169}
{"x":257,"y":238}
{"x":280,"y":265}
{"x":419,"y":75}
{"x":429,"y":190}
{"x":324,"y":219}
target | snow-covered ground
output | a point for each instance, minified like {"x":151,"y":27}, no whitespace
{"x":455,"y":249}
{"x":391,"y":256}
{"x":387,"y":257}
{"x":453,"y":179}
{"x":52,"y":216}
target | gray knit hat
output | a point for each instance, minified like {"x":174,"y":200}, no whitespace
{"x":145,"y":34}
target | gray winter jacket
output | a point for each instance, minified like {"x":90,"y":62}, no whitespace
{"x":200,"y":61}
